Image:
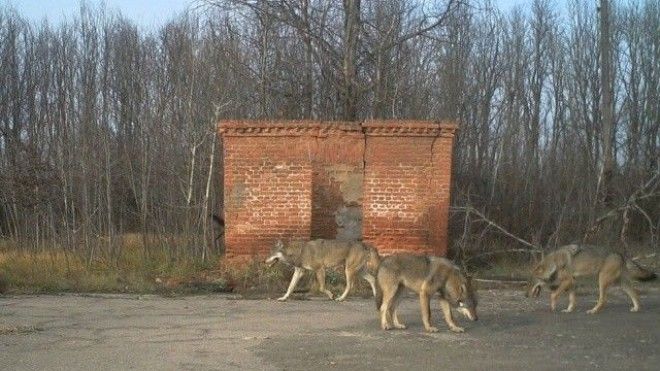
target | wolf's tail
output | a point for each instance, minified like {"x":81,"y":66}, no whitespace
{"x":374,"y":259}
{"x":379,"y":295}
{"x":638,"y":272}
{"x":373,"y":264}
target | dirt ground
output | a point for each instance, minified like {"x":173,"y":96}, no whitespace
{"x":121,"y":332}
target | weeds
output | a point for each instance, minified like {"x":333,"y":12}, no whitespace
{"x":56,"y":270}
{"x":158,"y":272}
{"x":59,"y":271}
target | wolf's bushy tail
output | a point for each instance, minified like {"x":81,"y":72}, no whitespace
{"x":374,"y":259}
{"x":373,"y":266}
{"x":638,"y":272}
{"x":379,"y":295}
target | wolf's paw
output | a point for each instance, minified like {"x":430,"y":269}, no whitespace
{"x":283,"y":298}
{"x":386,"y":327}
{"x":592,"y":311}
{"x":634,"y":309}
{"x":400,"y":326}
{"x":432,"y":329}
{"x":567,"y":310}
{"x":340,"y":299}
{"x":457,"y":329}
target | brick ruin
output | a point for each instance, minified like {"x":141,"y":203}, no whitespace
{"x":386,"y":182}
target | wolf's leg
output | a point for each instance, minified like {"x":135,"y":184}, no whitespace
{"x":571,"y":301}
{"x":425,"y":306}
{"x":297,"y":273}
{"x":565,"y":284}
{"x":371,"y":280}
{"x":395,"y":315}
{"x":446,"y":312}
{"x":605,"y":278}
{"x":389,"y":293}
{"x":609,"y":273}
{"x":627,"y":287}
{"x":320,"y":276}
{"x":602,"y":295}
{"x":350,"y":273}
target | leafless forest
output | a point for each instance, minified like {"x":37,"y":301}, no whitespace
{"x":108,"y":128}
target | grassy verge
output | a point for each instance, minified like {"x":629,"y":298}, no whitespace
{"x":135,"y":272}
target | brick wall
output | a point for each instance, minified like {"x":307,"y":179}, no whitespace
{"x":385,"y":181}
{"x":406,"y":188}
{"x":266,"y":191}
{"x":338,"y":167}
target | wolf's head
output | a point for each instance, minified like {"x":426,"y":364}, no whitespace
{"x":543,"y":274}
{"x":460,"y":293}
{"x":276,"y":253}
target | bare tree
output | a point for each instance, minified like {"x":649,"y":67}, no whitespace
{"x":607,"y":100}
{"x":106,"y":128}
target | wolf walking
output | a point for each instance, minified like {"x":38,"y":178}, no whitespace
{"x":425,"y":275}
{"x":357,"y":257}
{"x":558,"y":271}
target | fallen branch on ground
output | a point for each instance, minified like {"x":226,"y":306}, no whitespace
{"x":525,"y":251}
{"x":470,"y":209}
{"x":516,"y":282}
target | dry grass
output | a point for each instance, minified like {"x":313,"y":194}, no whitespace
{"x":55,"y":270}
{"x":135,"y":270}
{"x":51,"y":271}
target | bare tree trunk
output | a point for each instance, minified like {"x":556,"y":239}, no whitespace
{"x":352,"y":27}
{"x":606,"y":103}
{"x":308,"y":94}
{"x":208,"y":237}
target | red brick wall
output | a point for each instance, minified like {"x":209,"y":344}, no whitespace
{"x":388,"y":181}
{"x":267,"y":192}
{"x":439,"y":199}
{"x":406,"y":189}
{"x":338,"y":165}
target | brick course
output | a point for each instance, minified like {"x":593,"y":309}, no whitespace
{"x":386,"y":181}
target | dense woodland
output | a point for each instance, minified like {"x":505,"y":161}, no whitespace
{"x":108,"y":127}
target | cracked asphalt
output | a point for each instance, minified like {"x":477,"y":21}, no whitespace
{"x":219,"y":332}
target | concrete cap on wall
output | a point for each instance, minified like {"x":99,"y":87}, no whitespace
{"x":409,"y":128}
{"x":286,"y":128}
{"x":281,"y":128}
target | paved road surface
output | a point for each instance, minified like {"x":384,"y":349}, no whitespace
{"x":121,"y":332}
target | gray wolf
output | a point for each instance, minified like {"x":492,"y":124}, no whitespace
{"x":425,"y":275}
{"x":558,"y":270}
{"x":357,"y":257}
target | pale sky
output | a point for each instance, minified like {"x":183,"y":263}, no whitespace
{"x":147,"y":13}
{"x":144,"y":12}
